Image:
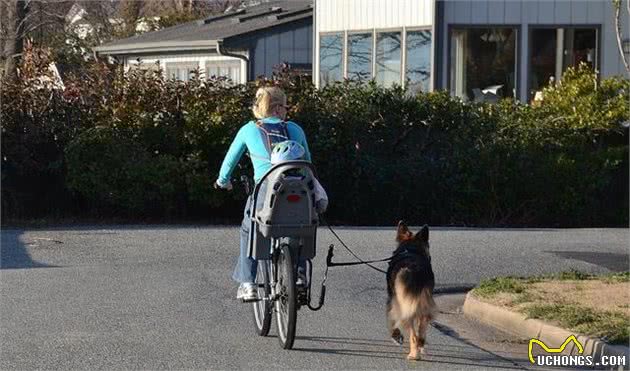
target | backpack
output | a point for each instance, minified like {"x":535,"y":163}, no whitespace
{"x":272,"y":134}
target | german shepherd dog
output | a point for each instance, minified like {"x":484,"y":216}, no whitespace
{"x":410,"y":283}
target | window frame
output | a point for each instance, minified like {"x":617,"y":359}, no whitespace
{"x":347,"y":35}
{"x":404,"y":56}
{"x":343,"y":54}
{"x":518,"y":50}
{"x":374,"y":32}
{"x":403,"y":45}
{"x":150,"y":67}
{"x":179,"y":65}
{"x":222,"y":63}
{"x":530,"y":29}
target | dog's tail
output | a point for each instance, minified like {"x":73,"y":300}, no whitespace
{"x":414,"y":296}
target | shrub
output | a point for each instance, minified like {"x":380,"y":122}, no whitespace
{"x":138,"y":145}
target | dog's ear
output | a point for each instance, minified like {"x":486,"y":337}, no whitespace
{"x":423,"y":235}
{"x":403,"y":232}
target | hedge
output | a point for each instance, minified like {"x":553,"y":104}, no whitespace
{"x":142,"y":147}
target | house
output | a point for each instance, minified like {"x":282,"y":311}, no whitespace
{"x":478,"y":50}
{"x":241,"y":43}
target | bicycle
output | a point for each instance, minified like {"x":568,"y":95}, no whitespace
{"x":283,"y":230}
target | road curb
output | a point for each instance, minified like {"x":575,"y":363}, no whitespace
{"x":519,"y":325}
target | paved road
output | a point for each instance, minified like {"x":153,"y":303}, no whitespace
{"x":161,"y":297}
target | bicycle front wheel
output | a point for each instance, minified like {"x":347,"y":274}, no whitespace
{"x":286,"y":302}
{"x":262,"y":307}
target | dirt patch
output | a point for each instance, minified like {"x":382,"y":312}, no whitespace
{"x":593,"y":294}
{"x":590,"y":305}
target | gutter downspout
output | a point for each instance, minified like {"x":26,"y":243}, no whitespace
{"x":223,"y":52}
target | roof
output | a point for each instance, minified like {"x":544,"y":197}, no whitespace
{"x":205,"y":33}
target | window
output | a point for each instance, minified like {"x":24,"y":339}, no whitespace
{"x":360,"y":56}
{"x":483,"y":63}
{"x":229,"y":69}
{"x":378,"y":55}
{"x":418,"y":69}
{"x":330,"y":59}
{"x":182,"y":71}
{"x":388,"y":58}
{"x":145,"y":67}
{"x":553,"y":50}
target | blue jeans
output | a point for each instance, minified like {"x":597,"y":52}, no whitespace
{"x":246,"y":267}
{"x":245,"y":271}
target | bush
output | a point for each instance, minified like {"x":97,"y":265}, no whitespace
{"x":145,"y":147}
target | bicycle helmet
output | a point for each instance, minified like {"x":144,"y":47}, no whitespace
{"x":289,"y":150}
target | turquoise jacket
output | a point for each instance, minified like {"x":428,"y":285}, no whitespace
{"x":249,"y":138}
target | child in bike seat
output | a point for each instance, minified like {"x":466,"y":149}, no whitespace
{"x":290,"y":150}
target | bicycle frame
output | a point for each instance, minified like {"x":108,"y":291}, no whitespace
{"x":273,"y":274}
{"x":283,"y":233}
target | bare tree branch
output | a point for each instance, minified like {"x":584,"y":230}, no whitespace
{"x":617,"y":15}
{"x":36,"y":27}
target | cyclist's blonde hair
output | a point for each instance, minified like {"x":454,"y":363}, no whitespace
{"x":267,"y":98}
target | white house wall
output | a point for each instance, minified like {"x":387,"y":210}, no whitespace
{"x":339,"y":15}
{"x":526,"y":13}
{"x":200,"y":59}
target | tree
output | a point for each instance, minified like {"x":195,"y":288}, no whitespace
{"x":13,"y":16}
{"x":169,"y":13}
{"x":51,"y":23}
{"x":129,"y":13}
{"x":20,"y":18}
{"x":99,"y":15}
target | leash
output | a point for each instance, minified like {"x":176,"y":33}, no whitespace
{"x":329,"y":262}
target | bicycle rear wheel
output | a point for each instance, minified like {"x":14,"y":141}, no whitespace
{"x":262,"y":308}
{"x":286,"y":303}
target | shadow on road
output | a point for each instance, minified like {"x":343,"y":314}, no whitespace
{"x":14,"y":254}
{"x":438,"y":353}
{"x":609,"y":260}
{"x":510,"y":363}
{"x":395,"y":352}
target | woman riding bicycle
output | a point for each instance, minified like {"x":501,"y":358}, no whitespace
{"x":258,"y":138}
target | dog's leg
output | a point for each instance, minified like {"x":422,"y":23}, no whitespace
{"x":423,"y":324}
{"x":413,"y":341}
{"x":392,"y":323}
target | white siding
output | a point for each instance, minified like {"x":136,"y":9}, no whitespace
{"x":200,"y":59}
{"x":339,"y":15}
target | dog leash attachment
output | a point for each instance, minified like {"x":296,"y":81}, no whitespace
{"x":329,"y":262}
{"x":322,"y":294}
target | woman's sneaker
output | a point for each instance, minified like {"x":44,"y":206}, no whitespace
{"x":301,"y":280}
{"x":247,"y":292}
